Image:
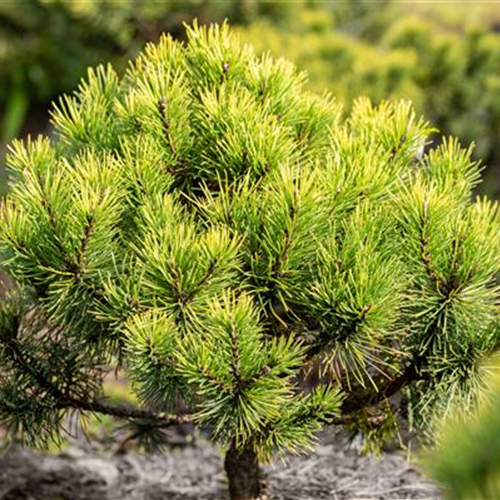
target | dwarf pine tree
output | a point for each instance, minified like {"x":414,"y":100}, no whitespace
{"x":260,"y":264}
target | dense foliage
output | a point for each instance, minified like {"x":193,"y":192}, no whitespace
{"x":447,"y":65}
{"x":258,"y":261}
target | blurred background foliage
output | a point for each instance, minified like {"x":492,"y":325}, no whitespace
{"x":466,"y":461}
{"x":444,"y":56}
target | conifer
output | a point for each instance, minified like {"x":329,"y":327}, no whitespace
{"x":259,"y":263}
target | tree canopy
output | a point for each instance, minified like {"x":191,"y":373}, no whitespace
{"x":260,"y":262}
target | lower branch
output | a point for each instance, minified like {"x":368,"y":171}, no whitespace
{"x":66,"y":401}
{"x":125,"y":411}
{"x":351,"y":405}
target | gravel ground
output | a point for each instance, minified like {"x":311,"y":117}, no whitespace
{"x":332,"y":472}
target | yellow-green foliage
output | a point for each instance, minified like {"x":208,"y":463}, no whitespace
{"x":47,"y":45}
{"x":220,"y":228}
{"x":451,"y":74}
{"x":458,"y":74}
{"x":221,"y":232}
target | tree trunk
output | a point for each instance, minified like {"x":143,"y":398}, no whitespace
{"x":243,"y":473}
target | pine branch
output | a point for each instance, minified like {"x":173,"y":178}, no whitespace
{"x":396,"y":149}
{"x":181,"y":164}
{"x":427,"y":261}
{"x":186,"y":298}
{"x":289,"y":235}
{"x":235,"y":359}
{"x":65,"y":401}
{"x":87,"y":233}
{"x":52,"y":219}
{"x":453,"y":282}
{"x":124,"y":411}
{"x":73,"y":267}
{"x":343,"y":332}
{"x":212,"y":379}
{"x":28,"y":366}
{"x":443,"y":286}
{"x":354,"y":403}
{"x":424,"y":247}
{"x":351,"y":328}
{"x":277,"y":266}
{"x":162,"y":108}
{"x":180,"y":296}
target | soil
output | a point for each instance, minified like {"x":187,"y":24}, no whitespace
{"x":334,"y":472}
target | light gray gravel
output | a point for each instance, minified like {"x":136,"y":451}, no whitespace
{"x":332,"y":472}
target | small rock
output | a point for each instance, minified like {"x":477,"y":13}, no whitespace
{"x":72,"y":452}
{"x":102,"y":468}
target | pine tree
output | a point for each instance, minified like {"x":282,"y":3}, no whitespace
{"x":260,"y":264}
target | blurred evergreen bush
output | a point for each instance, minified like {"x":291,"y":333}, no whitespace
{"x":467,"y":462}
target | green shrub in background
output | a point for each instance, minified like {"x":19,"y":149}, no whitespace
{"x":458,"y":75}
{"x":467,"y":459}
{"x":46,"y":46}
{"x":346,"y":67}
{"x":458,"y":14}
{"x":260,"y":264}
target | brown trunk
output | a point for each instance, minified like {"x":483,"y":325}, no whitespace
{"x":243,"y":474}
